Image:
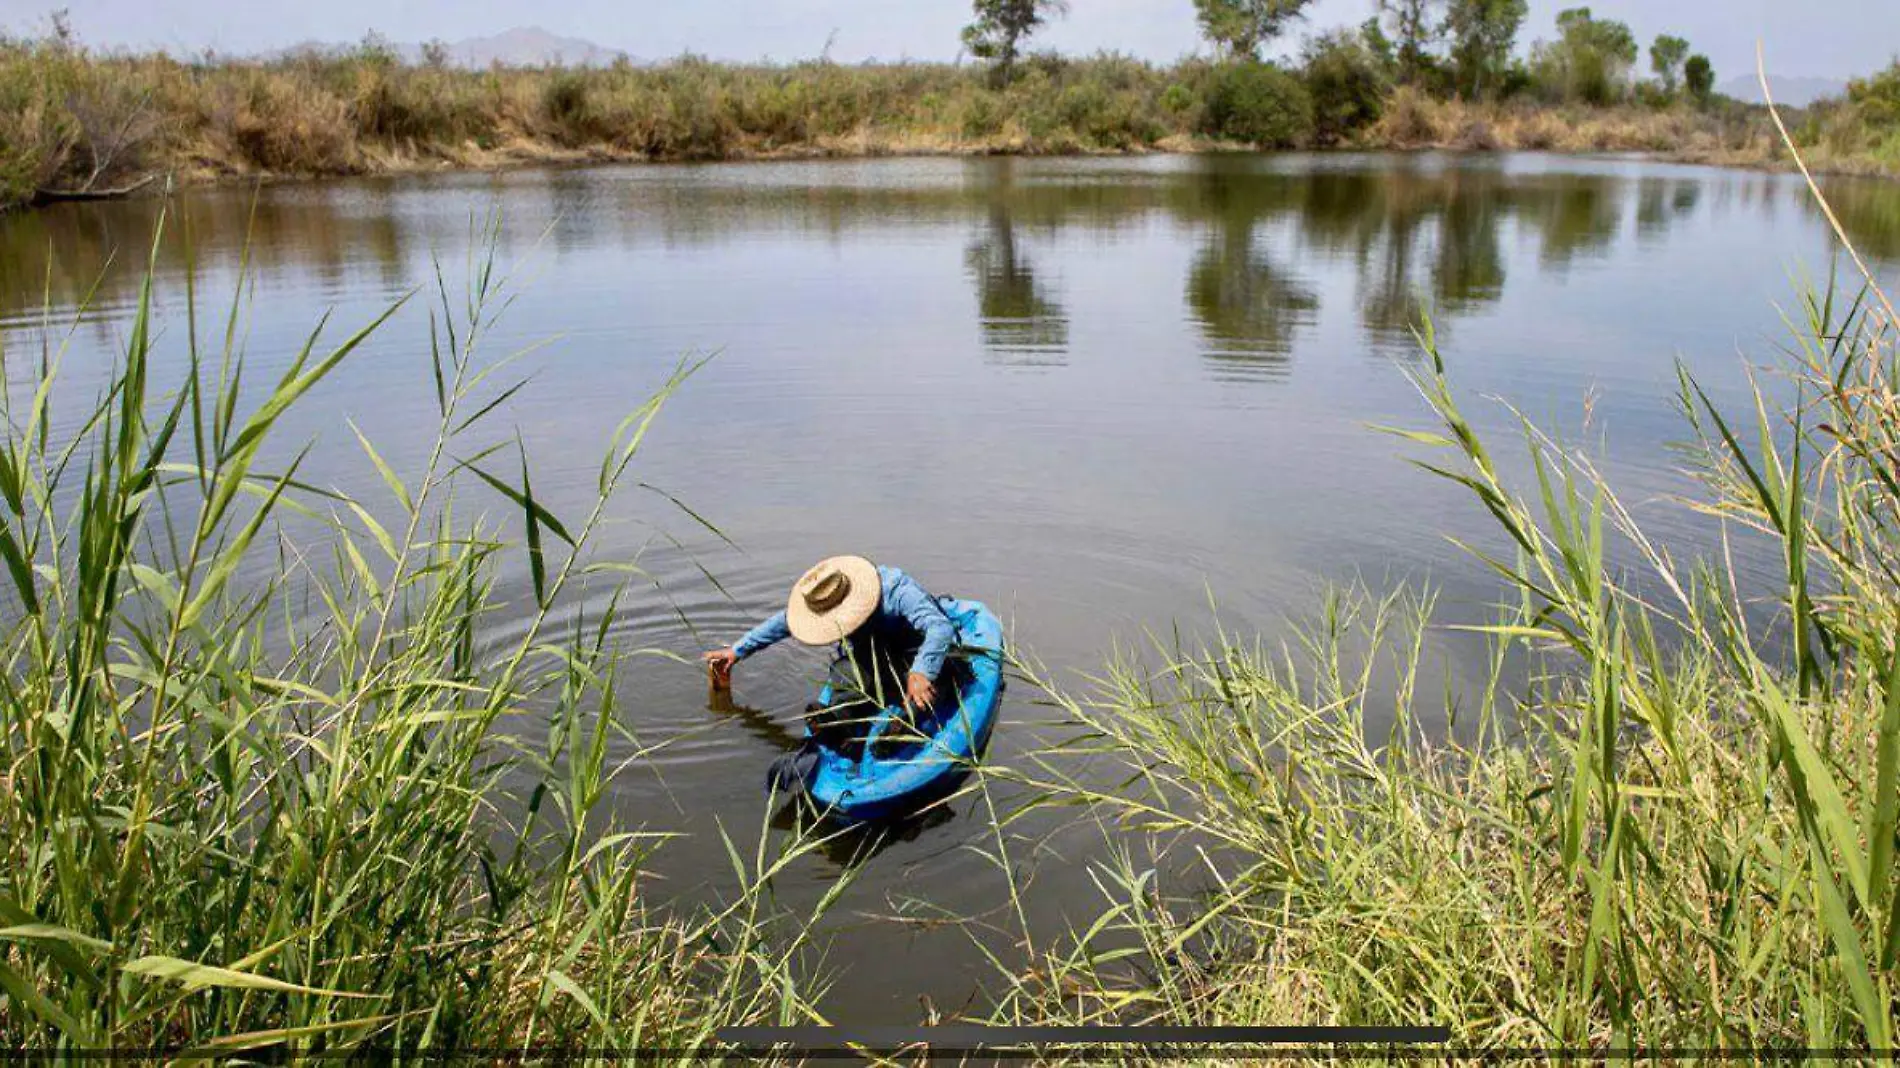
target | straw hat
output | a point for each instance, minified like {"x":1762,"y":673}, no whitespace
{"x":832,"y":600}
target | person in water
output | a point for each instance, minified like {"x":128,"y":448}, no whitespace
{"x":893,"y":639}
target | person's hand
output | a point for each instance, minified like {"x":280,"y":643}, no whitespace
{"x":720,"y":661}
{"x":920,"y":692}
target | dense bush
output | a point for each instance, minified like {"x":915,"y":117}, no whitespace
{"x":1515,"y":80}
{"x":1107,"y":118}
{"x":1410,"y":120}
{"x":31,"y":131}
{"x":1862,"y":124}
{"x":1348,"y":86}
{"x":1112,"y":102}
{"x":564,"y":101}
{"x":1877,"y":98}
{"x":273,"y":121}
{"x":399,"y":104}
{"x":72,"y":120}
{"x":1258,"y":104}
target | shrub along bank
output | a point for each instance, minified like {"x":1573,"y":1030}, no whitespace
{"x":74,"y":120}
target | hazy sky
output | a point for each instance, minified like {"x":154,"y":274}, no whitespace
{"x":1834,"y":38}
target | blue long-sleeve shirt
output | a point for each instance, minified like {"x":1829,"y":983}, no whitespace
{"x":901,"y":603}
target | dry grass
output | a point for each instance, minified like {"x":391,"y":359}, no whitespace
{"x":1834,"y":141}
{"x":364,"y":112}
{"x":1414,"y":120}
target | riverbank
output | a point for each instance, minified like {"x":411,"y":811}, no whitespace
{"x":1683,"y":135}
{"x":76,"y":123}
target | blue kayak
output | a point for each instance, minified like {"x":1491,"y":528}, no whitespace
{"x":902,"y":768}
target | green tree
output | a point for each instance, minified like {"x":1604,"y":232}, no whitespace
{"x":1482,"y":34}
{"x":1875,"y":99}
{"x":1000,"y":27}
{"x":1415,"y":31}
{"x":1589,"y":62}
{"x":1698,"y":75}
{"x":1665,"y":58}
{"x":374,"y":50}
{"x":1379,"y":44}
{"x":1239,"y":27}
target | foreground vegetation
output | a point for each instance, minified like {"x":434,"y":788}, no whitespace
{"x":266,"y":792}
{"x":74,"y":121}
{"x":1668,"y":818}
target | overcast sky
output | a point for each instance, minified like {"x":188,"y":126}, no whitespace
{"x":1833,"y":38}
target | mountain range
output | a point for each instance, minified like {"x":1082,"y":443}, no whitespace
{"x":523,"y":46}
{"x":529,"y":46}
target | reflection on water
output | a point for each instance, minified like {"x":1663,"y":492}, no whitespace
{"x":1247,"y":309}
{"x":1022,"y":325}
{"x":1422,"y":234}
{"x":1209,"y":339}
{"x":1869,"y":212}
{"x":1660,"y":202}
{"x":756,"y":722}
{"x":854,"y":847}
{"x":298,"y":229}
{"x":844,"y":847}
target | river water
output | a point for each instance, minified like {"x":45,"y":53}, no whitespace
{"x":1106,"y":396}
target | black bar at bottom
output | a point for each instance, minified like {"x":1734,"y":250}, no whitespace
{"x":971,"y":1035}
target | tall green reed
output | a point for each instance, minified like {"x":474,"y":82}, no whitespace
{"x":275,"y":791}
{"x":1668,"y":825}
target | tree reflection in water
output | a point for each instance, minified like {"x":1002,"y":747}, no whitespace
{"x":1660,"y":202}
{"x":1248,"y":306}
{"x":1265,"y":236}
{"x":1869,"y":210}
{"x":1022,"y":325}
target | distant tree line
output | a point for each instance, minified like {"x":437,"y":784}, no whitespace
{"x":1461,"y":48}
